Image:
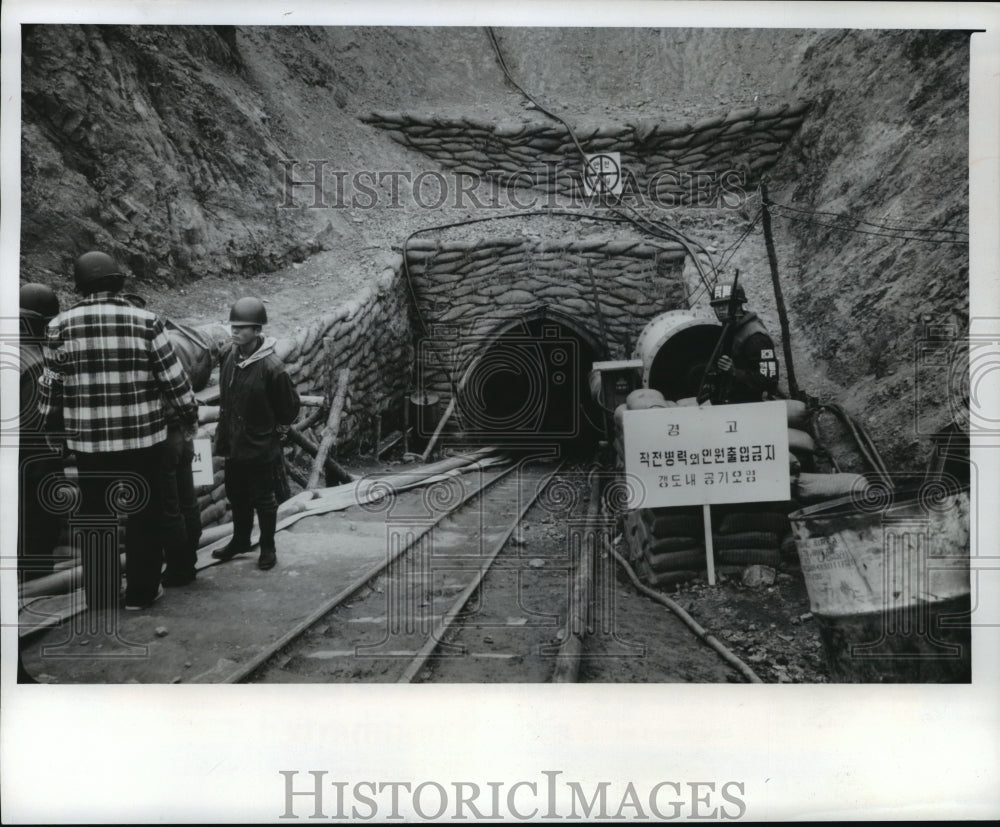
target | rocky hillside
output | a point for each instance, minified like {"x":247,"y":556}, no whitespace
{"x":169,"y":147}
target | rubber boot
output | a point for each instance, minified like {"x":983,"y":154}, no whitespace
{"x":242,"y":526}
{"x":268,"y":520}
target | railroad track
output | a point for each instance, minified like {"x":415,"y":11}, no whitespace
{"x":406,"y":619}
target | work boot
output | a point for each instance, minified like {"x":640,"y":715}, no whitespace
{"x":268,"y":522}
{"x":242,"y":526}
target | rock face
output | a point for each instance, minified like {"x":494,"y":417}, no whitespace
{"x":881,"y":267}
{"x":152,"y":144}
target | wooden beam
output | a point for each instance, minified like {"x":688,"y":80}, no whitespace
{"x":437,"y":431}
{"x":331,"y":429}
{"x":334,"y":470}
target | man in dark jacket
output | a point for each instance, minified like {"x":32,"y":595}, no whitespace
{"x":258,"y":404}
{"x":751,"y":366}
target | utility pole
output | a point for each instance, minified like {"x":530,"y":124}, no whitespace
{"x":772,"y":258}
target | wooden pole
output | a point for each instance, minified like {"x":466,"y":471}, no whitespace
{"x":390,"y":440}
{"x":331,"y":429}
{"x":772,"y":260}
{"x":437,"y":431}
{"x":314,"y":416}
{"x":406,"y":424}
{"x":332,"y":468}
{"x":709,"y":550}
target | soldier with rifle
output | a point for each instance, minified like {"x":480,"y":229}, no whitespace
{"x":743,"y":367}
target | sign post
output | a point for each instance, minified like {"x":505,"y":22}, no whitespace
{"x":706,"y":512}
{"x":705,"y":455}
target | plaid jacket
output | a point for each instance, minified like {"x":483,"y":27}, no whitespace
{"x":109,"y":369}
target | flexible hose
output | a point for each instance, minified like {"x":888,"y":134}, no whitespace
{"x":726,"y":654}
{"x":866,"y":446}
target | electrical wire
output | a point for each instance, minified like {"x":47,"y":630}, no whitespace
{"x":871,"y":232}
{"x":647,"y":225}
{"x":912,"y":228}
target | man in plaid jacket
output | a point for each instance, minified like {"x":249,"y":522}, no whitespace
{"x":109,"y":371}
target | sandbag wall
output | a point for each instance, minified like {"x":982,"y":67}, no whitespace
{"x":666,"y":545}
{"x":682,"y":164}
{"x":371,"y":336}
{"x":464,"y":291}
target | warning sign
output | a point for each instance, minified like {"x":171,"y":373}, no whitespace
{"x":705,"y":455}
{"x":201,"y":466}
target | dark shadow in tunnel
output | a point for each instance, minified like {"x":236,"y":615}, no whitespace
{"x":527,"y":385}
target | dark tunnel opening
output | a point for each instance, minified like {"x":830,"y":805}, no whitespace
{"x":527,"y":387}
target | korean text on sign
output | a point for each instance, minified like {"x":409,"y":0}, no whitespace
{"x":697,"y":456}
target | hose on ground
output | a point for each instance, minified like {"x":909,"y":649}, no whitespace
{"x":726,"y":654}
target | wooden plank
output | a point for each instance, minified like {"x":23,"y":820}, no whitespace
{"x":332,"y":427}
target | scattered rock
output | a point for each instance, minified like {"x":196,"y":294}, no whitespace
{"x":536,"y":563}
{"x":162,"y":631}
{"x":756,"y":576}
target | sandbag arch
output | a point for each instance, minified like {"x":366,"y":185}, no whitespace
{"x":526,"y":382}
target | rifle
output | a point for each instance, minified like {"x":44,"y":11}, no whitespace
{"x":709,"y":388}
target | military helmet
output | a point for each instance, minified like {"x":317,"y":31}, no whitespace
{"x":248,"y":310}
{"x":40,"y":299}
{"x":721,"y":294}
{"x":94,"y":267}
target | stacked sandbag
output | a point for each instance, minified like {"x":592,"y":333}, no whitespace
{"x":475,"y":286}
{"x":750,"y":534}
{"x":666,"y":160}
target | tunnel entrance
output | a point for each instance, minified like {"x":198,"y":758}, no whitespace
{"x":527,"y":386}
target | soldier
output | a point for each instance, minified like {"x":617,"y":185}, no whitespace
{"x":198,"y":354}
{"x":257,"y":406}
{"x":110,"y":371}
{"x":37,"y":529}
{"x":750,"y":368}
